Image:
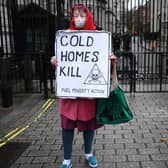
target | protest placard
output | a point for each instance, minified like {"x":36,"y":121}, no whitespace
{"x":83,"y":68}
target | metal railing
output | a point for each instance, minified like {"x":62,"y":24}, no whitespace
{"x":139,"y":39}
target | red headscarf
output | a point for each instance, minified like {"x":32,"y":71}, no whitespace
{"x":89,"y":24}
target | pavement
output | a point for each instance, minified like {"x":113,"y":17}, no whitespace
{"x":141,"y":143}
{"x":21,"y":111}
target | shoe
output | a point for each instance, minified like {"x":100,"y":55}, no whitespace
{"x":92,"y":161}
{"x":66,"y":166}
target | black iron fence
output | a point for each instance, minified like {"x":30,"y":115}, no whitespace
{"x":23,"y":73}
{"x":139,"y":37}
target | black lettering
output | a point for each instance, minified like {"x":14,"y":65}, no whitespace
{"x":79,"y":54}
{"x":62,"y":71}
{"x":64,"y":56}
{"x":71,"y":56}
{"x":95,"y":58}
{"x":87,"y":54}
{"x":72,"y":74}
{"x":64,"y":44}
{"x":74,"y":40}
{"x":80,"y":41}
{"x":90,"y":41}
{"x":77,"y":73}
{"x":66,"y":90}
{"x":68,"y":71}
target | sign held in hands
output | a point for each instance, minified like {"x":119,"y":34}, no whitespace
{"x":83,"y":63}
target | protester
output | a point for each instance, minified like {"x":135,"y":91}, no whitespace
{"x":79,"y":113}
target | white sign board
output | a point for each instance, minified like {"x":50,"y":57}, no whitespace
{"x":83,"y":68}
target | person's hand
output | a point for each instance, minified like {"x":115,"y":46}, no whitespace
{"x":54,"y":61}
{"x":113,"y":58}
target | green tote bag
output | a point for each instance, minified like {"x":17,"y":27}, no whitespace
{"x":114,"y":109}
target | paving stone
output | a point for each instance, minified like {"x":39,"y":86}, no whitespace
{"x":148,"y":130}
{"x":149,"y":151}
{"x":114,"y":158}
{"x":132,"y":136}
{"x":114,"y":146}
{"x":118,"y":141}
{"x":127,"y":151}
{"x":104,"y":141}
{"x":157,"y":157}
{"x":123,"y":131}
{"x":50,"y":146}
{"x":166,"y":162}
{"x":44,"y":159}
{"x":105,"y":152}
{"x":34,"y":147}
{"x":98,"y":146}
{"x":164,"y":150}
{"x":156,"y":145}
{"x":113,"y":136}
{"x":43,"y":142}
{"x":128,"y":165}
{"x":154,"y":164}
{"x":51,"y":165}
{"x":138,"y":158}
{"x":146,"y":135}
{"x":107,"y":165}
{"x":31,"y":165}
{"x":39,"y":153}
{"x":144,"y":140}
{"x":24,"y":160}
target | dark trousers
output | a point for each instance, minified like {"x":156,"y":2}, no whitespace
{"x":67,"y":137}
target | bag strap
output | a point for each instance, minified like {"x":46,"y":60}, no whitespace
{"x":114,"y":78}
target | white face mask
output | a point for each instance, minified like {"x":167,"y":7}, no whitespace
{"x":79,"y":21}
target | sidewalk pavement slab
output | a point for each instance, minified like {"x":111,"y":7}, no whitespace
{"x":23,"y":108}
{"x":136,"y":144}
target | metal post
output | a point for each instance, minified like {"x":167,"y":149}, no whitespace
{"x":59,"y":14}
{"x":161,"y":69}
{"x":134,"y":72}
{"x":131,"y":71}
{"x":27,"y":73}
{"x":44,"y":66}
{"x":5,"y":87}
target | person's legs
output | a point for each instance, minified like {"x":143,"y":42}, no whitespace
{"x":67,"y":138}
{"x":88,"y":136}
